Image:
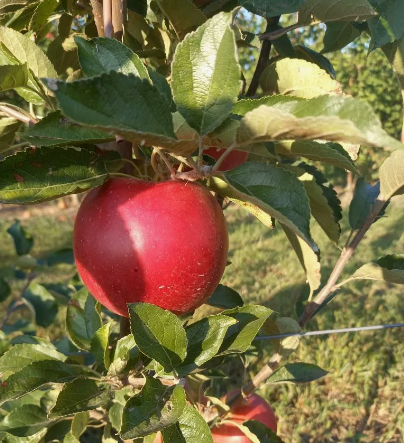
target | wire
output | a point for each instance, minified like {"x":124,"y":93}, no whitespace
{"x":331,"y":331}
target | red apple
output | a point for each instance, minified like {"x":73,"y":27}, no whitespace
{"x":253,"y":407}
{"x":162,"y":243}
{"x":234,"y":159}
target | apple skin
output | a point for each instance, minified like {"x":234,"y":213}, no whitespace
{"x":162,"y":243}
{"x":253,"y":407}
{"x":234,"y":159}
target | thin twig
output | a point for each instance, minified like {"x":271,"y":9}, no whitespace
{"x":107,"y":17}
{"x":346,"y":254}
{"x":263,"y":59}
{"x":165,"y":160}
{"x":200,"y":151}
{"x":25,"y":118}
{"x":277,"y":33}
{"x":155,"y":166}
{"x":97,"y":13}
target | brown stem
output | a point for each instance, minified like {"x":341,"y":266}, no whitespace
{"x":263,"y":59}
{"x":124,"y":148}
{"x":124,"y":327}
{"x":277,"y":33}
{"x":118,"y":18}
{"x":97,"y":13}
{"x":107,"y":17}
{"x":25,"y":118}
{"x":346,"y":254}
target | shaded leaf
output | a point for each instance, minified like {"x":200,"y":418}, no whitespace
{"x":25,"y":421}
{"x":8,"y":128}
{"x":79,"y":395}
{"x":239,"y":336}
{"x":270,"y":8}
{"x":297,"y":373}
{"x":297,"y":77}
{"x":392,"y":175}
{"x":159,"y":334}
{"x":82,"y":319}
{"x":225,"y":297}
{"x":138,"y":112}
{"x":183,"y":15}
{"x":364,"y":198}
{"x":154,"y":408}
{"x":275,"y":192}
{"x":38,"y":175}
{"x":55,"y":130}
{"x":5,"y":289}
{"x":204,"y":340}
{"x":61,"y":256}
{"x":205,"y":74}
{"x":328,"y":117}
{"x":41,"y":14}
{"x":102,"y":55}
{"x":191,"y":427}
{"x":13,"y":76}
{"x":262,"y":432}
{"x":43,"y":302}
{"x":389,"y":268}
{"x":308,"y":258}
{"x":303,"y":52}
{"x":338,"y":35}
{"x":23,"y":241}
{"x":330,"y":153}
{"x":36,"y":375}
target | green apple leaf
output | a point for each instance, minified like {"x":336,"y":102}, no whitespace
{"x":247,"y":104}
{"x":23,"y":241}
{"x":41,"y":14}
{"x":330,"y":153}
{"x":387,"y":26}
{"x":36,"y":375}
{"x":261,"y":432}
{"x":191,"y":427}
{"x":328,"y":117}
{"x":392,"y":175}
{"x":239,"y":336}
{"x":159,"y":334}
{"x":25,"y":421}
{"x":297,"y":77}
{"x":80,"y":395}
{"x":126,"y":356}
{"x":183,"y":15}
{"x":206,"y":74}
{"x":37,"y":175}
{"x":389,"y":268}
{"x":43,"y":302}
{"x":99,"y":345}
{"x":338,"y":35}
{"x":273,"y":191}
{"x":364,"y":198}
{"x":22,"y":355}
{"x":138,"y":112}
{"x":26,"y":51}
{"x":82,"y":319}
{"x":13,"y":76}
{"x":225,"y":297}
{"x":271,"y":9}
{"x":55,"y":130}
{"x":8,"y":129}
{"x":297,"y":373}
{"x":5,"y":290}
{"x":308,"y":258}
{"x":101,"y":55}
{"x":315,"y":11}
{"x":305,"y":53}
{"x":154,"y":408}
{"x":204,"y":340}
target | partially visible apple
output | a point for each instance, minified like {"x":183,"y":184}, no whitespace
{"x":162,"y":243}
{"x":253,"y":407}
{"x":234,"y":159}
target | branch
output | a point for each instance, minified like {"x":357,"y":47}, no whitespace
{"x":25,"y":118}
{"x":277,"y":33}
{"x":118,"y":17}
{"x":263,"y":59}
{"x":97,"y":13}
{"x":107,"y":17}
{"x":346,"y":254}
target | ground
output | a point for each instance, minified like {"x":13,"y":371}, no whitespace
{"x":361,"y":398}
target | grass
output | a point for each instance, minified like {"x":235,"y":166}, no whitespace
{"x":361,"y":398}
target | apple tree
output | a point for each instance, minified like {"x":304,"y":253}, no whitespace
{"x":145,"y":105}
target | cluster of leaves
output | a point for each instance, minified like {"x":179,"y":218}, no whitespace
{"x":174,"y":84}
